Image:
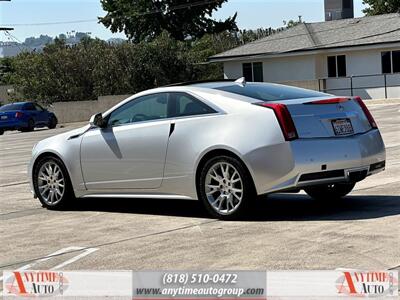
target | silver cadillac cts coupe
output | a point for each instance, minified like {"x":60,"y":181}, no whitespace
{"x":222,"y":143}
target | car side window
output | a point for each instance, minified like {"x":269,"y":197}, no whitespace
{"x":29,"y":106}
{"x":38,"y":107}
{"x":146,"y":108}
{"x":187,"y":105}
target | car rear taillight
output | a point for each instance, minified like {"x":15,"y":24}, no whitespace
{"x":366,"y":111}
{"x":284,"y":118}
{"x":329,"y":101}
{"x":18,"y":114}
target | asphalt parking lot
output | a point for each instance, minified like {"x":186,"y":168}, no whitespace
{"x":286,"y":231}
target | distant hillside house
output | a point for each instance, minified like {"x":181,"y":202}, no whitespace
{"x":358,"y":56}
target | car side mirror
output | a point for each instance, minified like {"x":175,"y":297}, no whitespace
{"x":97,"y":120}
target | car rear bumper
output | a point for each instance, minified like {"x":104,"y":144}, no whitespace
{"x":326,"y":160}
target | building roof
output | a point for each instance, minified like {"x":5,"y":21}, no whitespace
{"x":322,"y":35}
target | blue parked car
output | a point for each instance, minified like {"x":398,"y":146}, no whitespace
{"x":25,"y":116}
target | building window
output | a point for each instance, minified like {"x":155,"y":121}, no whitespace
{"x":341,"y":65}
{"x":332,"y":66}
{"x":248,"y":72}
{"x":347,"y":4}
{"x":396,"y":61}
{"x":390,"y":62}
{"x":253,"y":72}
{"x":337,"y":66}
{"x":258,"y":72}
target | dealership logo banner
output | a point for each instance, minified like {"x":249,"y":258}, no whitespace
{"x":253,"y":285}
{"x":199,"y":285}
{"x":338,"y":284}
{"x":50,"y":284}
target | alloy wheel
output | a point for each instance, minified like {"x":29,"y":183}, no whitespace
{"x":51,"y":183}
{"x":224,"y":188}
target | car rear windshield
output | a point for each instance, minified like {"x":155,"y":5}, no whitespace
{"x":13,"y":106}
{"x":270,"y":92}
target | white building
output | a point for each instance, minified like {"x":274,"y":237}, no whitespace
{"x":344,"y":57}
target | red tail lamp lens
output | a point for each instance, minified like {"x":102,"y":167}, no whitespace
{"x":366,"y":111}
{"x":284,"y":118}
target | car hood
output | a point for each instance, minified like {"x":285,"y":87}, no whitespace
{"x":62,"y":137}
{"x":71,"y":134}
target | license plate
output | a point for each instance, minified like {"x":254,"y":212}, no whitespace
{"x":342,"y":126}
{"x":3,"y":117}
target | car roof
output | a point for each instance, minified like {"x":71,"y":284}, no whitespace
{"x":21,"y":103}
{"x":219,"y":84}
{"x":200,"y":82}
{"x":215,"y":84}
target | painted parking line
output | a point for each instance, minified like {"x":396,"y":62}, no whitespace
{"x":14,"y":183}
{"x":86,"y":252}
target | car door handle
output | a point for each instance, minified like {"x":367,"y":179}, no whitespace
{"x":171,"y":129}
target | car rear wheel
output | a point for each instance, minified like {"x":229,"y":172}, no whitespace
{"x":332,"y":191}
{"x":30,"y":126}
{"x":225,"y":188}
{"x":52,"y":184}
{"x":52,"y":123}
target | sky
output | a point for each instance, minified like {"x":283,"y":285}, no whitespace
{"x":24,"y":15}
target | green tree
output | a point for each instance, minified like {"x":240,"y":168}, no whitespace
{"x":73,"y":73}
{"x":144,"y":20}
{"x":201,"y":49}
{"x":292,"y":23}
{"x":379,"y":7}
{"x":6,"y":70}
{"x":59,"y":73}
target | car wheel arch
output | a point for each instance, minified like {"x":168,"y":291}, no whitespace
{"x":221,"y":152}
{"x":49,"y":155}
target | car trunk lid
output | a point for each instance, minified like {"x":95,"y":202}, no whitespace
{"x":328,"y":117}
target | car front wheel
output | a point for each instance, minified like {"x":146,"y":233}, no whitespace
{"x":52,"y":184}
{"x":332,"y":191}
{"x":225,"y":187}
{"x":52,"y":123}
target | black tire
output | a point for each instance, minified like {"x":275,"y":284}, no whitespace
{"x":246,"y":184}
{"x":52,"y":122}
{"x":333,"y":191}
{"x":30,"y":127}
{"x":68,"y":196}
{"x":1,"y":131}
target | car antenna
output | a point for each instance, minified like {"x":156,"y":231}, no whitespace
{"x":241,"y":81}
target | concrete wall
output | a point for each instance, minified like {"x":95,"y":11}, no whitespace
{"x":297,"y":68}
{"x":77,"y":111}
{"x":305,"y":84}
{"x":233,"y":69}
